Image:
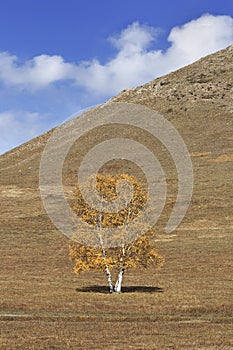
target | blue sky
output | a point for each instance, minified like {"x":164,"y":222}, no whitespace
{"x":57,"y":57}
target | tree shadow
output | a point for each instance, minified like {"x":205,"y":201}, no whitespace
{"x":125,"y":289}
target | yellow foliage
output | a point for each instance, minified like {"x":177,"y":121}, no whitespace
{"x":135,"y":255}
{"x":106,"y":185}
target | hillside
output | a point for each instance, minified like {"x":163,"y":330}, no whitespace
{"x":186,"y":305}
{"x":197,"y":99}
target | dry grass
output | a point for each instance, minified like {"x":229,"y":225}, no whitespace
{"x":186,"y":305}
{"x":223,"y":158}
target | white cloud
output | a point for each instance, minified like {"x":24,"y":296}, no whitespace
{"x":17,"y":127}
{"x":200,"y":37}
{"x":134,"y":63}
{"x":37,"y":73}
{"x":134,"y":39}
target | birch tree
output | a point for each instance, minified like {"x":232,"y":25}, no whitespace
{"x":128,"y":253}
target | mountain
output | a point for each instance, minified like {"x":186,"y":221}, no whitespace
{"x":197,"y":100}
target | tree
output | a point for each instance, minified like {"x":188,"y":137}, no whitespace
{"x":127,"y":249}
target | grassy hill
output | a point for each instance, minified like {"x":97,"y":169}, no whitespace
{"x":188,"y":303}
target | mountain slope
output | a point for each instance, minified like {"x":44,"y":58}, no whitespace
{"x":197,"y":99}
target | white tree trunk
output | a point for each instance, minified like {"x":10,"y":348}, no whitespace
{"x":108,"y":273}
{"x":109,"y":277}
{"x":118,"y":284}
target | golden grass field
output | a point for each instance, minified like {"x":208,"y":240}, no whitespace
{"x":185,"y":305}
